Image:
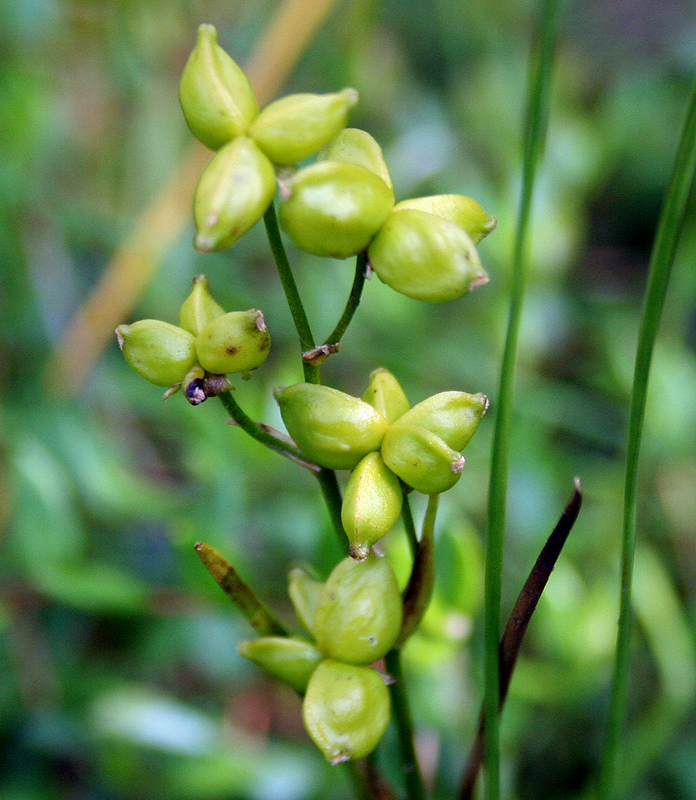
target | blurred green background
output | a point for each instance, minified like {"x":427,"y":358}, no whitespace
{"x":120,"y":676}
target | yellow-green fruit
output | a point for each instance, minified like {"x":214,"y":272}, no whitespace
{"x":333,"y":209}
{"x":371,"y":504}
{"x":291,"y":660}
{"x":235,"y":342}
{"x":359,"y":613}
{"x":233,"y":193}
{"x":421,"y":458}
{"x":384,"y":392}
{"x":453,"y":416}
{"x":199,"y":309}
{"x":304,"y":591}
{"x":334,"y":429}
{"x":425,"y":257}
{"x":353,"y":146}
{"x":457,"y":208}
{"x":162,"y":353}
{"x":215,"y":95}
{"x":296,"y":126}
{"x":345,"y":710}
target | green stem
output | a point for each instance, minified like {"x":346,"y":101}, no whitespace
{"x":404,"y":727}
{"x":409,"y":525}
{"x":299,"y":317}
{"x":535,"y":130}
{"x":661,"y":262}
{"x":258,"y":615}
{"x":353,"y":300}
{"x":261,"y":434}
{"x":334,"y":501}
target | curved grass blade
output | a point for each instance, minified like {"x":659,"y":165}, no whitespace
{"x":517,"y":626}
{"x":661,"y":261}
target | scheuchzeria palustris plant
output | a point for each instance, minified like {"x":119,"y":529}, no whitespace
{"x":342,"y":205}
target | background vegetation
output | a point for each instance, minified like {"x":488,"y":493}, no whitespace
{"x":120,"y":673}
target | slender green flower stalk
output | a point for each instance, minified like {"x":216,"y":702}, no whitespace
{"x":299,"y":316}
{"x":332,"y":497}
{"x":404,"y":726}
{"x":660,"y":270}
{"x":409,"y":525}
{"x":353,"y":301}
{"x":535,"y":134}
{"x":262,"y":434}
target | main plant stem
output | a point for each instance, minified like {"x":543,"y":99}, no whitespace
{"x":287,"y":279}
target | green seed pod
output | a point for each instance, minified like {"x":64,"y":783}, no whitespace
{"x":304,"y":591}
{"x":296,"y":126}
{"x":199,"y":309}
{"x":371,"y":504}
{"x":353,"y":146}
{"x":384,"y":392}
{"x":234,"y":342}
{"x":333,"y":209}
{"x":162,"y":353}
{"x":291,"y":660}
{"x":332,"y":428}
{"x":233,"y":193}
{"x":421,"y":459}
{"x":345,"y":710}
{"x":463,"y":211}
{"x":453,"y":416}
{"x":215,"y":95}
{"x":359,"y":613}
{"x":425,"y":257}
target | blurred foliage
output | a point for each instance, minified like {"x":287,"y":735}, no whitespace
{"x":121,"y":678}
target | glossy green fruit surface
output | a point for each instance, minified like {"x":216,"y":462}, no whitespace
{"x":334,"y":429}
{"x":159,"y":352}
{"x":421,"y":458}
{"x":384,"y":392}
{"x":461,"y":210}
{"x":233,"y":193}
{"x":333,"y":209}
{"x":304,"y":591}
{"x":296,"y":126}
{"x":215,"y":95}
{"x":371,"y":504}
{"x":425,"y":257}
{"x":292,"y":660}
{"x":353,"y":146}
{"x":453,"y":416}
{"x":235,"y":342}
{"x":359,"y":614}
{"x":345,"y":710}
{"x":199,"y":309}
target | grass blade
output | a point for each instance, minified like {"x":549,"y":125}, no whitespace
{"x":517,"y":626}
{"x":660,"y":270}
{"x":535,"y":134}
